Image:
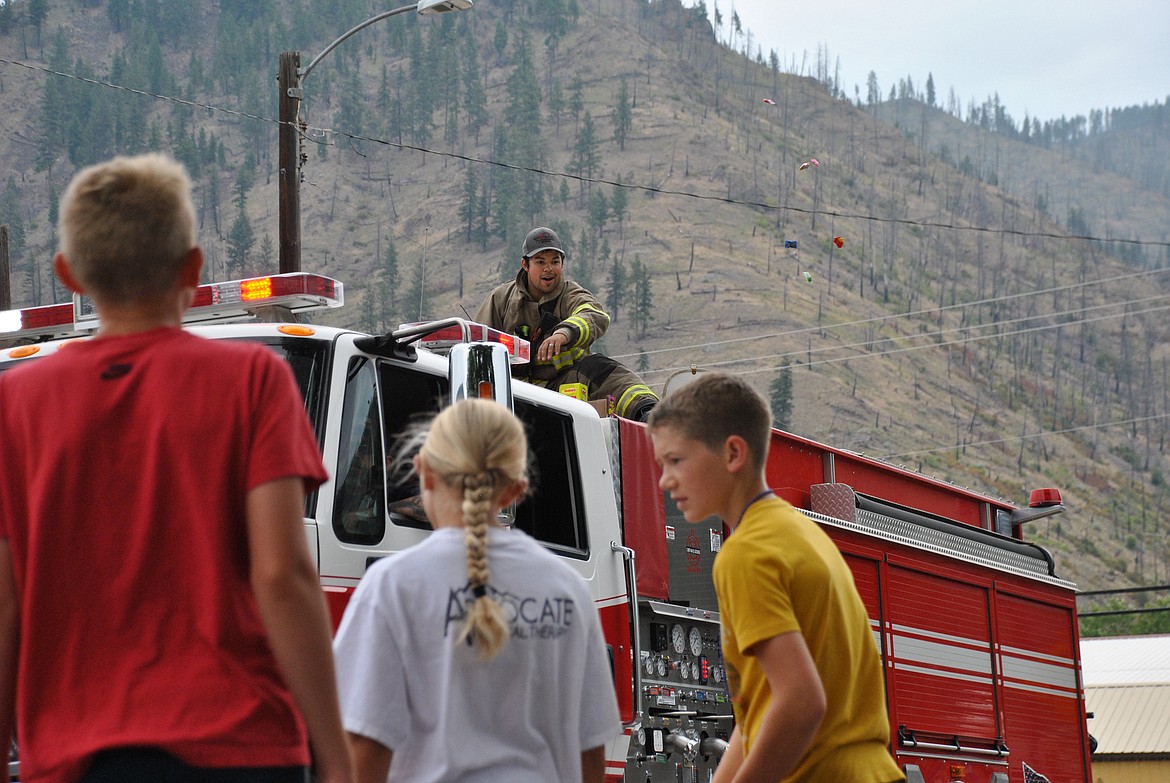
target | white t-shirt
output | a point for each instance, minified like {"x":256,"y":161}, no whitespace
{"x":523,"y":716}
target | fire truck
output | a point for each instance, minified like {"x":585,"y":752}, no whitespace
{"x":977,"y":632}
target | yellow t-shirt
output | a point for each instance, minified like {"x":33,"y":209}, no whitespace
{"x":777,"y":573}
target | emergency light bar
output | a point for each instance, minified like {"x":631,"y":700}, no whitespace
{"x":295,"y":292}
{"x":43,"y":321}
{"x":456,"y":331}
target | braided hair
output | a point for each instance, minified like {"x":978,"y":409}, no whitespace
{"x":480,"y":446}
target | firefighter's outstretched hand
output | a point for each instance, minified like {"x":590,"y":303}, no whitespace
{"x":551,"y":346}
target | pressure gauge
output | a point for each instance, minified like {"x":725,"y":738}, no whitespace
{"x":640,"y":736}
{"x":684,"y":670}
{"x":648,"y":664}
{"x":695,"y":670}
{"x":696,"y":640}
{"x":661,"y":667}
{"x":717,"y":673}
{"x":678,"y":638}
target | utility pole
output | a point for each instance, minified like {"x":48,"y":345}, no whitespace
{"x":5,"y":271}
{"x":289,"y":162}
{"x":290,"y":80}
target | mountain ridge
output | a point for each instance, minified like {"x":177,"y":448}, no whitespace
{"x":934,"y":253}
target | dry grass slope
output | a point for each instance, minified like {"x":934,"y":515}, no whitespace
{"x":889,"y":357}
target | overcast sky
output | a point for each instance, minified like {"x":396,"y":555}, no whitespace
{"x":1046,"y":58}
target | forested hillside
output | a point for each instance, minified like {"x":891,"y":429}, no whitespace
{"x":974,"y":297}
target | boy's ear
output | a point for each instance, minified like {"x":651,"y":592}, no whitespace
{"x":192,"y":267}
{"x":65,"y":274}
{"x":737,"y":456}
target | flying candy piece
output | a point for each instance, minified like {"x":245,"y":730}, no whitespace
{"x":804,"y":166}
{"x":769,"y":101}
{"x":790,"y":243}
{"x":839,"y":241}
{"x":815,"y":162}
{"x":808,"y":277}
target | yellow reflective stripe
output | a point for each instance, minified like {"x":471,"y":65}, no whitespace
{"x":575,"y":317}
{"x":588,"y":306}
{"x":565,"y":358}
{"x":582,"y":327}
{"x":632,"y":395}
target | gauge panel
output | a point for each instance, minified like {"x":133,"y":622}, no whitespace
{"x":678,"y":638}
{"x":696,"y":641}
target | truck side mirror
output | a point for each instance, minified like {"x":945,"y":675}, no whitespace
{"x":480,"y":370}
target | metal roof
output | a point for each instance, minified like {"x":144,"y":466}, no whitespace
{"x":1126,"y":660}
{"x":1127,"y":688}
{"x":1130,"y":718}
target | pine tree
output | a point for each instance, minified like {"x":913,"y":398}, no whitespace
{"x":267,"y":252}
{"x":598,"y":211}
{"x":240,"y":240}
{"x":522,"y":135}
{"x":369,"y":317}
{"x":584,"y":160}
{"x":577,"y":101}
{"x":37,"y":12}
{"x":500,"y":41}
{"x":623,"y":115}
{"x":470,"y":206}
{"x":11,"y":216}
{"x":556,"y":104}
{"x":619,"y":203}
{"x":475,"y":94}
{"x":388,"y":279}
{"x":781,"y":390}
{"x":416,"y":304}
{"x":643,"y":297}
{"x":617,"y":287}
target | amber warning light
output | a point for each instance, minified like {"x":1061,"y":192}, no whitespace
{"x":233,"y":300}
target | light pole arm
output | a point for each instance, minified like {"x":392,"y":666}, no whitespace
{"x":304,"y":72}
{"x":291,"y":80}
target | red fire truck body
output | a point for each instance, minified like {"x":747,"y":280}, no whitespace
{"x":977,"y":634}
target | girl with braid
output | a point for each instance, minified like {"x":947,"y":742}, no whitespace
{"x":476,"y":655}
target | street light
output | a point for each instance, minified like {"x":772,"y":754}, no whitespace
{"x":291,"y":84}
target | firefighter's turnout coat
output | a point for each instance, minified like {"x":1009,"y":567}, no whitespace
{"x":572,"y":310}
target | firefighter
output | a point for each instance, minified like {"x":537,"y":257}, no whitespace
{"x":562,"y":320}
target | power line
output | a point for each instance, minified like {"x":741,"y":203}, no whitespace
{"x":145,"y":93}
{"x":745,"y":203}
{"x":1017,"y":438}
{"x":756,"y":205}
{"x":598,"y":181}
{"x":937,"y":334}
{"x":893,"y":316}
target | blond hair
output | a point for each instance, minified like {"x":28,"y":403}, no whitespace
{"x":126,"y":226}
{"x":480,"y":446}
{"x":712,"y":408}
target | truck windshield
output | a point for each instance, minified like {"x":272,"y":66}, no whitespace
{"x":307,"y":359}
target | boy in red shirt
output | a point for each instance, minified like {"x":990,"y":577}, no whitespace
{"x":160,"y":613}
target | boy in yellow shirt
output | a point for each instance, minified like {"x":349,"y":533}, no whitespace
{"x":804,"y":672}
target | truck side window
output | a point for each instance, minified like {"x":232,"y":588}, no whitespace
{"x":408,"y":395}
{"x":359,"y":507}
{"x":553,"y":513}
